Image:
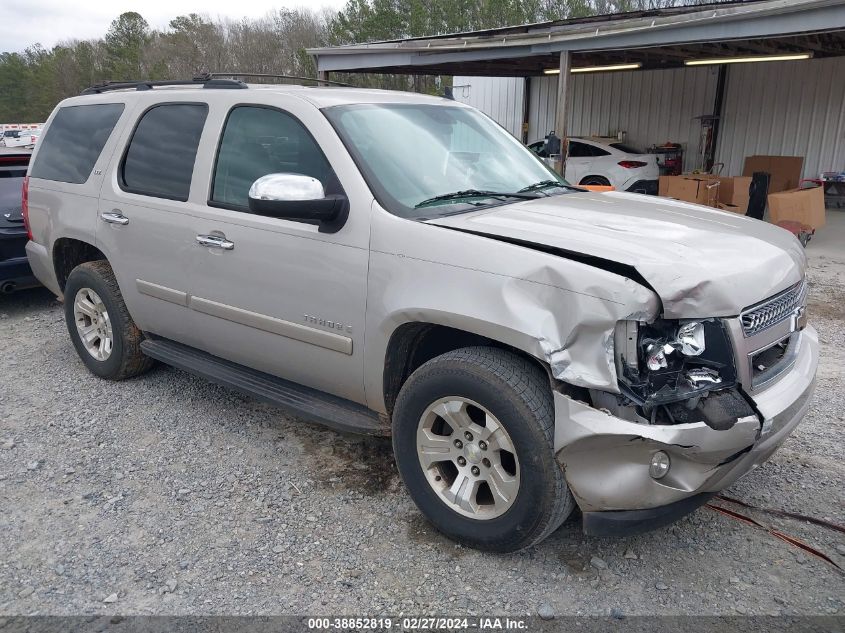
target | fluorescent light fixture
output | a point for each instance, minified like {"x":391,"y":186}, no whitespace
{"x":747,"y":60}
{"x":595,"y":69}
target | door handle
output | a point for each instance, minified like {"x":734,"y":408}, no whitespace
{"x":215,"y":241}
{"x":114,"y":217}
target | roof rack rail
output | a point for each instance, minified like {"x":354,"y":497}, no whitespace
{"x":273,"y":76}
{"x":205,"y":80}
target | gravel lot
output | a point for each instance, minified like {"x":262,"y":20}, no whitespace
{"x":167,"y":494}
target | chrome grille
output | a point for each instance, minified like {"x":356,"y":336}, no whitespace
{"x":773,"y":310}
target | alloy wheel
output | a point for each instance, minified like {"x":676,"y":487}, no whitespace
{"x":468,"y":458}
{"x":93,"y":324}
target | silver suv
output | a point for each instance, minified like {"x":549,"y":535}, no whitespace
{"x":397,"y":264}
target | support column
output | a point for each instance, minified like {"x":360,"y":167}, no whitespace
{"x":718,"y":108}
{"x":526,"y":108}
{"x":562,"y":109}
{"x":323,"y":75}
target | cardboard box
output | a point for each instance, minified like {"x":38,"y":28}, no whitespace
{"x":785,"y":170}
{"x":734,"y":191}
{"x":733,"y":208}
{"x":805,"y":206}
{"x":700,"y":189}
{"x":709,"y":190}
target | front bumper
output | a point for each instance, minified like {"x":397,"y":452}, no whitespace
{"x":606,"y":459}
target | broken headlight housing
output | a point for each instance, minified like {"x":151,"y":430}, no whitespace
{"x":672,"y":360}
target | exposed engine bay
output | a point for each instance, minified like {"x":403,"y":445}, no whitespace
{"x":675,"y":372}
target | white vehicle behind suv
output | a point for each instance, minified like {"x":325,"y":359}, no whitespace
{"x":606,"y":162}
{"x":21,"y":138}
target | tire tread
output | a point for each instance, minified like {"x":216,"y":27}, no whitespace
{"x":134,"y":362}
{"x":528,"y":383}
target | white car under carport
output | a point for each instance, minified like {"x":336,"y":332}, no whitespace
{"x":607,"y":163}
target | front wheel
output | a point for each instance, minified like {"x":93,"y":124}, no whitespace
{"x":473,"y":435}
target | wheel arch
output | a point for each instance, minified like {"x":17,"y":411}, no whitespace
{"x":595,"y":176}
{"x":413,"y":343}
{"x":68,"y":253}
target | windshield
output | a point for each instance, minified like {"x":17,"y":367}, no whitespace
{"x":425,"y":160}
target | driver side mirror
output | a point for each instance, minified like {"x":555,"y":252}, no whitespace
{"x":298,"y":198}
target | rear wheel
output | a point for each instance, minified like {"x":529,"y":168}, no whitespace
{"x":473,"y":435}
{"x":595,"y":180}
{"x":103,"y":333}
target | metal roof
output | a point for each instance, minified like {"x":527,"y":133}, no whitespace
{"x":660,"y":38}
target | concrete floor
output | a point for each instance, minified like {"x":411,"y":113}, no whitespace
{"x":829,"y":241}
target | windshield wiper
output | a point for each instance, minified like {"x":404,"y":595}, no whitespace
{"x":474,"y":193}
{"x":547,"y":184}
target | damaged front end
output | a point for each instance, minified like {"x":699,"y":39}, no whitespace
{"x":675,"y":372}
{"x":682,"y":426}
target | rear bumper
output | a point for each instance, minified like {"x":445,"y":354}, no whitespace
{"x":15,"y":274}
{"x":606,"y":459}
{"x":42,"y":266}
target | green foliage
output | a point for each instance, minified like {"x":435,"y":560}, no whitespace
{"x":32,"y":82}
{"x":124,"y":45}
{"x":14,"y":73}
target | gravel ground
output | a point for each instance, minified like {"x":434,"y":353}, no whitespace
{"x":170,"y":495}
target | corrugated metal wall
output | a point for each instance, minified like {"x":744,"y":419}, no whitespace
{"x":785,"y":108}
{"x":651,"y":107}
{"x":541,"y":113}
{"x":498,"y":97}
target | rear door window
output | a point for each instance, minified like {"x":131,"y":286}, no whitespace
{"x":159,"y":161}
{"x":579,"y":150}
{"x":597,"y":151}
{"x":74,"y":141}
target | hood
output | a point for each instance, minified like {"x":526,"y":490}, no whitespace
{"x":702,"y":262}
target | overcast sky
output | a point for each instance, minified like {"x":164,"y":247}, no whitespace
{"x":25,"y":22}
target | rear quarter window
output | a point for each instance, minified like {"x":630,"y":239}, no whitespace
{"x":74,"y":141}
{"x":626,"y":148}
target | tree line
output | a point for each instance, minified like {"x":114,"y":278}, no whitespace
{"x":33,"y":81}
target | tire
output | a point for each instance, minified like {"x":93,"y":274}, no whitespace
{"x":595,"y":180}
{"x":121,"y":359}
{"x":514,"y":393}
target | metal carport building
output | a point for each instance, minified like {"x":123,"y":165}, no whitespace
{"x":778,"y":107}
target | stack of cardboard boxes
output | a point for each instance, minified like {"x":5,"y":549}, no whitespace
{"x":723,"y":192}
{"x":786,"y":201}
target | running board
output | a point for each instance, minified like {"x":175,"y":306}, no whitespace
{"x":329,"y":410}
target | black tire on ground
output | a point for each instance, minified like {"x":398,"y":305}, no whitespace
{"x":595,"y":180}
{"x":126,"y":359}
{"x":517,"y":392}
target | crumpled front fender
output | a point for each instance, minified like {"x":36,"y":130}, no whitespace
{"x":560,"y":311}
